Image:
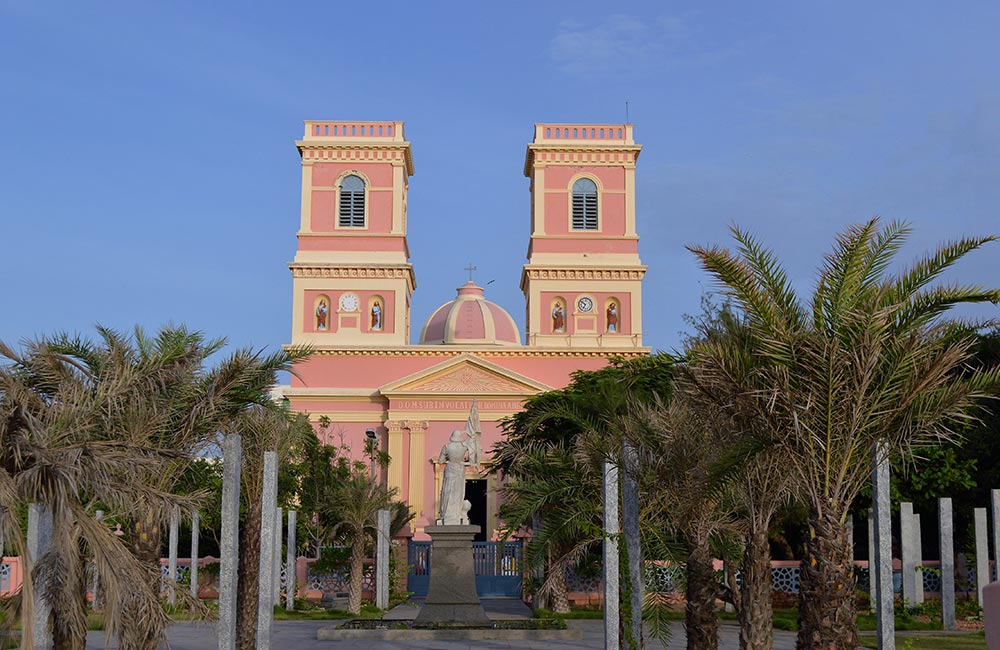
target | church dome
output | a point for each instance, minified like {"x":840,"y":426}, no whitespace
{"x":470,"y":319}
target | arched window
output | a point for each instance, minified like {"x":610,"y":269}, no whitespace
{"x":584,"y":205}
{"x":352,"y":203}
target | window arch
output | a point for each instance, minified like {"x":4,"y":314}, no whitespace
{"x":584,"y":204}
{"x":351,"y":213}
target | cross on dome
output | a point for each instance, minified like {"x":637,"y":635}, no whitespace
{"x":470,"y":268}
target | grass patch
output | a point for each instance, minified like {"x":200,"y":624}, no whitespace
{"x":933,"y":642}
{"x":577,"y":613}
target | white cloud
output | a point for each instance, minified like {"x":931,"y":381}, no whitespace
{"x":615,"y":43}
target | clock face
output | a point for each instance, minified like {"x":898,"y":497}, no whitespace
{"x":584,"y":304}
{"x":349,"y":302}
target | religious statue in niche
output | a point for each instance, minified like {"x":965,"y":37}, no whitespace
{"x":612,"y":317}
{"x":558,"y":318}
{"x":322,"y":315}
{"x":376,"y":315}
{"x":462,"y":450}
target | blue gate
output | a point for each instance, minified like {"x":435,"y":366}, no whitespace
{"x":497,"y":566}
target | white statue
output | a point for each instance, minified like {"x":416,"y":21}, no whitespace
{"x":463,"y":449}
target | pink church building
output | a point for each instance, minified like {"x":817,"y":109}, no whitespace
{"x":353,"y":283}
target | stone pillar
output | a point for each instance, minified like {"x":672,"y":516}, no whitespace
{"x":229,"y":544}
{"x":276,"y":563}
{"x":175,"y":523}
{"x":885,"y":624}
{"x":39,"y":539}
{"x":291,"y":580}
{"x":947,"y":564}
{"x":872,"y":582}
{"x":630,"y":529}
{"x":96,"y":583}
{"x":995,"y":503}
{"x":991,"y":614}
{"x":918,"y":553}
{"x":907,"y":553}
{"x":612,"y":612}
{"x":195,"y":532}
{"x":265,"y":595}
{"x":982,"y":554}
{"x":382,"y":561}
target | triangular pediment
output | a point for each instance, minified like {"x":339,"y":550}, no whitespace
{"x":466,"y":374}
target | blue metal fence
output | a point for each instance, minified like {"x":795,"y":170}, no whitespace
{"x":497,"y":566}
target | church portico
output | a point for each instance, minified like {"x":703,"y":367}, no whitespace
{"x":353,"y":283}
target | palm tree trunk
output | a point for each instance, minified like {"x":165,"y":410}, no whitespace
{"x":357,"y":574}
{"x":826,"y":587}
{"x":755,"y":608}
{"x":248,"y":588}
{"x":146,"y":542}
{"x":701,"y":621}
{"x":559,"y":593}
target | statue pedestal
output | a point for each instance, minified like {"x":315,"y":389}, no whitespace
{"x":451,"y":596}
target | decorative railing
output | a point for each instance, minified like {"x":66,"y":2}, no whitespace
{"x":349,"y":130}
{"x":597,"y":133}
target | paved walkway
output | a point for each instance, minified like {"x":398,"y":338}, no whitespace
{"x":301,"y":635}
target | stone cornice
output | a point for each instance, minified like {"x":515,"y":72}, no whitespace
{"x":442,"y":350}
{"x":402,"y":271}
{"x":582,"y":273}
{"x":369,"y":151}
{"x":581,"y":152}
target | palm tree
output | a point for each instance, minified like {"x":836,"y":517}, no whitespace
{"x":55,"y":451}
{"x":870,"y":359}
{"x":354,"y":504}
{"x":263,"y":429}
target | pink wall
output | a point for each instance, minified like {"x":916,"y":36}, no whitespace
{"x":600,"y":311}
{"x":367,"y":244}
{"x":324,"y":208}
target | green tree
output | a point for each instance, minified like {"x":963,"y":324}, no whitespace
{"x":870,"y":359}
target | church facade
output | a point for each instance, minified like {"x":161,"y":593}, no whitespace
{"x":353,"y":283}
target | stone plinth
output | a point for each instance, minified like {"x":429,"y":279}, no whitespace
{"x":451,"y":595}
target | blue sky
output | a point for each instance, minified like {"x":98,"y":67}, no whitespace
{"x":790,"y":119}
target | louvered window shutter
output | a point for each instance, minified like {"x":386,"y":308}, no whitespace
{"x":584,"y":205}
{"x":352,"y":203}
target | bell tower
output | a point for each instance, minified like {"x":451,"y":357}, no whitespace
{"x":583,"y":279}
{"x":352,"y":279}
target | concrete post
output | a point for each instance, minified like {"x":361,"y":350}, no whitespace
{"x":175,"y":524}
{"x":382,"y":561}
{"x":95,"y":585}
{"x":229,"y":544}
{"x":947,"y":564}
{"x":918,"y":552}
{"x":982,"y":554}
{"x":612,"y":613}
{"x":630,"y":529}
{"x":276,"y":563}
{"x":39,"y":539}
{"x":195,"y":533}
{"x":995,"y":503}
{"x":265,"y":596}
{"x":872,"y":582}
{"x":907,"y":553}
{"x":291,"y":584}
{"x":885,"y":624}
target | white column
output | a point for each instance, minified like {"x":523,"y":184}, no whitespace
{"x":277,"y":557}
{"x":612,"y":609}
{"x":265,"y":596}
{"x":885,"y":624}
{"x":229,"y":544}
{"x":291,"y":576}
{"x":947,"y":564}
{"x":995,"y":503}
{"x":918,"y":548}
{"x":982,"y":554}
{"x":382,"y":561}
{"x":195,"y":533}
{"x":39,"y":540}
{"x":907,"y":553}
{"x":175,"y":523}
